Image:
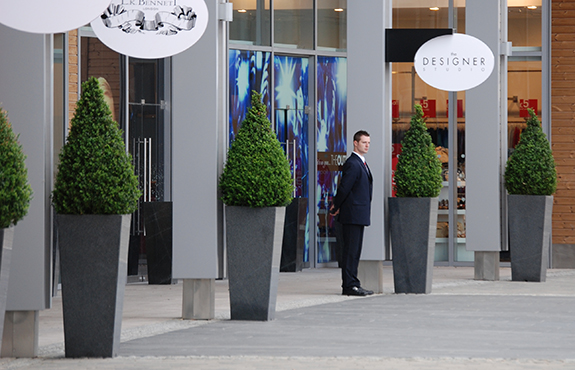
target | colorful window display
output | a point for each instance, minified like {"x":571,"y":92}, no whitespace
{"x":331,"y":147}
{"x":249,"y":70}
{"x":252,"y":70}
{"x":291,"y":76}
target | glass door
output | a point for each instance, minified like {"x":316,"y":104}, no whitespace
{"x":331,"y":146}
{"x":445,"y":119}
{"x":291,"y":118}
{"x":148,"y":140}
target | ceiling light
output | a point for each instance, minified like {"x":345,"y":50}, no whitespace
{"x":532,"y":7}
{"x":338,"y":10}
{"x":435,"y":8}
{"x":241,"y":10}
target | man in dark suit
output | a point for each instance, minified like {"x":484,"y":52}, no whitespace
{"x":352,"y":205}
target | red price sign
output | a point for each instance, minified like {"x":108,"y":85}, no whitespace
{"x":395,"y":109}
{"x":428,"y":106}
{"x":525,"y":104}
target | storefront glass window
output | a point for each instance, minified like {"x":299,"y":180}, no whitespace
{"x":524,"y":66}
{"x":331,"y":148}
{"x":408,"y":89}
{"x":524,"y":19}
{"x":97,"y":60}
{"x":332,"y":25}
{"x":293,"y":24}
{"x":149,"y":126}
{"x":249,"y":71}
{"x":252,"y":22}
{"x":59,"y":97}
{"x":291,"y":77}
{"x":524,"y":91}
{"x":145,"y":121}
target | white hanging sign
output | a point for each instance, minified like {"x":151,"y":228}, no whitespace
{"x":151,"y":29}
{"x":454,"y":62}
{"x":50,"y":16}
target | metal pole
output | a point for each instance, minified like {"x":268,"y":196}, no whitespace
{"x":150,"y":170}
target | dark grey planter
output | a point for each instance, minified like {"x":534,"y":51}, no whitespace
{"x":6,"y":239}
{"x":158,"y":224}
{"x":413,"y":224}
{"x":254,"y":242}
{"x":93,"y":262}
{"x":529,"y":236}
{"x":294,"y":236}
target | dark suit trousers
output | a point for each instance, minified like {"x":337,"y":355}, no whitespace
{"x":352,"y":242}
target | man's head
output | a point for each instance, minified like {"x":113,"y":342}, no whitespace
{"x":361,"y":142}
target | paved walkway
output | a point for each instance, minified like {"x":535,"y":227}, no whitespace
{"x":463,"y":323}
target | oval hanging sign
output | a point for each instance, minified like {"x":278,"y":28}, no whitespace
{"x":151,"y":29}
{"x":50,"y":16}
{"x":454,"y":62}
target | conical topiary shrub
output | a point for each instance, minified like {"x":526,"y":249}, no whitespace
{"x":95,"y":194}
{"x":15,"y":191}
{"x":95,"y":174}
{"x":531,"y":168}
{"x":413,"y":213}
{"x":418,"y":171}
{"x":256,"y":186}
{"x":257,"y":172}
{"x":530,"y":179}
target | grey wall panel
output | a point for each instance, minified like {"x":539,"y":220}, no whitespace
{"x":369,"y":107}
{"x":26,"y":93}
{"x":195,"y":159}
{"x":483,"y":136}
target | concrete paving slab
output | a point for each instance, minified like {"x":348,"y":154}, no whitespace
{"x":462,"y":323}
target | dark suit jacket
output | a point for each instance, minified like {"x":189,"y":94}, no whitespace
{"x":353,"y":198}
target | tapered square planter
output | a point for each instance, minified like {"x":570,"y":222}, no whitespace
{"x":254,"y":244}
{"x":413,"y":224}
{"x":93,"y":262}
{"x":529,"y":236}
{"x":158,"y":224}
{"x":6,"y":239}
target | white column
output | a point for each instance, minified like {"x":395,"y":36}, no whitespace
{"x":486,"y":143}
{"x":199,"y":117}
{"x":369,"y":108}
{"x":26,"y":88}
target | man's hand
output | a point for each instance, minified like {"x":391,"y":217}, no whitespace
{"x":332,"y":212}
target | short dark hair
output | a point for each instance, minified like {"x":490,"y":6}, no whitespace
{"x":357,"y":136}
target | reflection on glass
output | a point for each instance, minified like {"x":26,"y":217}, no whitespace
{"x":427,"y":14}
{"x":331,"y":148}
{"x":249,"y":71}
{"x":59,"y":96}
{"x":408,"y":89}
{"x":251,"y":23}
{"x":147,"y":125}
{"x":524,"y":28}
{"x":291,"y":125}
{"x":332,"y":25}
{"x":293,"y":24}
{"x":524,"y":92}
{"x":103,"y":63}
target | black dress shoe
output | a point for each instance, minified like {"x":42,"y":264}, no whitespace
{"x":369,"y":292}
{"x":357,"y":291}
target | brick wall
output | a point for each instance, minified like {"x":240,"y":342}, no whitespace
{"x":100,"y":61}
{"x":563,"y":117}
{"x":72,"y":73}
